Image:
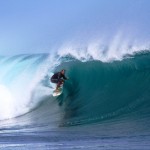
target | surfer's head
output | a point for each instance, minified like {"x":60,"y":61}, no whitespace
{"x":63,"y":71}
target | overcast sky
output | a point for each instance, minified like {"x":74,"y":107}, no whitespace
{"x":38,"y":26}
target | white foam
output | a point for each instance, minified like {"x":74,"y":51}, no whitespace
{"x":21,"y":88}
{"x":104,"y":50}
{"x":6,"y":102}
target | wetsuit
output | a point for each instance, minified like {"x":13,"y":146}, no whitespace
{"x":57,"y":78}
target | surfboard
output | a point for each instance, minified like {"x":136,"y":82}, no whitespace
{"x":57,"y":93}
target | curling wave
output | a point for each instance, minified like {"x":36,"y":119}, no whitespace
{"x":96,"y":90}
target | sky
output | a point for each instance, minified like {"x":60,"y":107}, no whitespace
{"x":39,"y":26}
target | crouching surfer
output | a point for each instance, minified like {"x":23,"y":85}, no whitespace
{"x":59,"y":79}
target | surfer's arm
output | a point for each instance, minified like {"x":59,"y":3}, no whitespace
{"x":64,"y":77}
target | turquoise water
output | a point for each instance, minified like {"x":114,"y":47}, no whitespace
{"x":104,"y":105}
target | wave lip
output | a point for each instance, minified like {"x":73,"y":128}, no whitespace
{"x":115,"y":49}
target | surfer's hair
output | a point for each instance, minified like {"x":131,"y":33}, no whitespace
{"x":63,"y":70}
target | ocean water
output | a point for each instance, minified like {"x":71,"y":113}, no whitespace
{"x":105,"y":103}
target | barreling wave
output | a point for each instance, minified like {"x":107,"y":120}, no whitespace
{"x":96,"y":90}
{"x":100,"y":91}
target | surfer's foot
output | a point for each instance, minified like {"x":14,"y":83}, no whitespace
{"x":57,"y":90}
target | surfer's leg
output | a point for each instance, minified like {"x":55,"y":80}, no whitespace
{"x":54,"y":81}
{"x":60,"y":82}
{"x":57,"y":87}
{"x":57,"y":83}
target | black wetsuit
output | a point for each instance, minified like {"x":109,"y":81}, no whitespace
{"x":57,"y":77}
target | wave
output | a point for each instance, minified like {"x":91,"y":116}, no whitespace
{"x":96,"y":91}
{"x":101,"y":91}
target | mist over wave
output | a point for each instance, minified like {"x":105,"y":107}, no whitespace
{"x":104,"y":48}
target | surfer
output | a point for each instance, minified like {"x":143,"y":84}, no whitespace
{"x":59,"y":78}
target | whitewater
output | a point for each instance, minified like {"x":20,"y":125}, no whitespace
{"x":105,"y":103}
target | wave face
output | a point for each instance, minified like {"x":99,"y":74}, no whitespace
{"x":102,"y":91}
